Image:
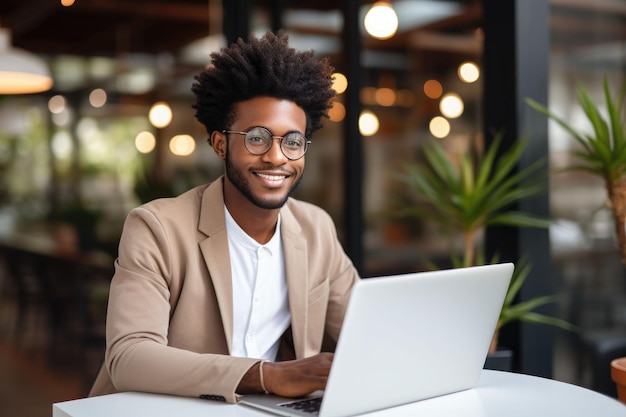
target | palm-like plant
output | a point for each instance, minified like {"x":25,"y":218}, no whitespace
{"x":476,"y":193}
{"x":603,"y":153}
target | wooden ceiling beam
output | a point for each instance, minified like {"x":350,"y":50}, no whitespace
{"x":29,"y":15}
{"x":146,"y":9}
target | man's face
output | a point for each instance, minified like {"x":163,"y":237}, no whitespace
{"x":265,"y":180}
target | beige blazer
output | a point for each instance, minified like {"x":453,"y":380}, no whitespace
{"x":170,"y":312}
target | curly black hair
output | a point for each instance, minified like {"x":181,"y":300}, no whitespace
{"x":262,"y":67}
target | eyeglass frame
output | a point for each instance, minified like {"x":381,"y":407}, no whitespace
{"x":307,"y":142}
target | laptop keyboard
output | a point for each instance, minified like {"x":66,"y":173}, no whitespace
{"x":309,"y":405}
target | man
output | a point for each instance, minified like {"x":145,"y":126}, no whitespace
{"x":234,"y":287}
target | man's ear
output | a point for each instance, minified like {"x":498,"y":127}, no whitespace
{"x":218,"y":142}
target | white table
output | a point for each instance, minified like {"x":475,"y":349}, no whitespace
{"x":497,"y":394}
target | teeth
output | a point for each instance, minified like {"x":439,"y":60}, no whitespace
{"x":272,"y":177}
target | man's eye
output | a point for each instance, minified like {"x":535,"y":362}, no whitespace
{"x":256,"y":140}
{"x":294,"y":143}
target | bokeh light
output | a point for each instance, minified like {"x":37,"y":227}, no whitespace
{"x":338,"y":112}
{"x":381,"y":20}
{"x":160,"y":114}
{"x":182,"y":145}
{"x":145,"y":142}
{"x":368,"y":123}
{"x":433,"y":89}
{"x":340,"y":82}
{"x":439,"y":127}
{"x":468,"y":72}
{"x":451,"y":105}
{"x":98,"y":98}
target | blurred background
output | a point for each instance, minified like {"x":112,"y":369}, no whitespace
{"x":114,"y":128}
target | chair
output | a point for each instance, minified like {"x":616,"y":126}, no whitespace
{"x":20,"y":276}
{"x":598,"y":349}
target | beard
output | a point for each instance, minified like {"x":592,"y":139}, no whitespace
{"x":241,"y":184}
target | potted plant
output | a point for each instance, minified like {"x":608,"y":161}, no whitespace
{"x":477,"y":192}
{"x":603,"y":152}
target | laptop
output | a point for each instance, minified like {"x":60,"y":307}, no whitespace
{"x":406,"y":338}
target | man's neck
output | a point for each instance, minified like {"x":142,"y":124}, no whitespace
{"x":258,"y":223}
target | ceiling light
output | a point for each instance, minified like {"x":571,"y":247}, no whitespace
{"x":20,"y":71}
{"x":381,"y":21}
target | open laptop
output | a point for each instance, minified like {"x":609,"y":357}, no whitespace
{"x":406,"y":338}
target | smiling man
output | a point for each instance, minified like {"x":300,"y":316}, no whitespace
{"x":234,"y":287}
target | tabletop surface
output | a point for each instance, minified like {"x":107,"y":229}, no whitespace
{"x":497,"y":394}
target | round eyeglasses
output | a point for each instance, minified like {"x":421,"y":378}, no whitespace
{"x":258,"y":140}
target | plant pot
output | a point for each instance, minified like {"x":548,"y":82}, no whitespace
{"x":618,"y":375}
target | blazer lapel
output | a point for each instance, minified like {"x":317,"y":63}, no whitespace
{"x":296,"y":269}
{"x":215,"y":252}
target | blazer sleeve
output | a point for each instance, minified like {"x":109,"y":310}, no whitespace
{"x":138,"y":357}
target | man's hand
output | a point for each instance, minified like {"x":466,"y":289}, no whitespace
{"x":294,"y":378}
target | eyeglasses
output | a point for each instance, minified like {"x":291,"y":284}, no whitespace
{"x":258,"y":140}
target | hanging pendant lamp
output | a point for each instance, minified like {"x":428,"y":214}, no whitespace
{"x":21,"y":72}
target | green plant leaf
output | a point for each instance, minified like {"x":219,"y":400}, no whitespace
{"x":465,"y":194}
{"x":566,"y":126}
{"x":604,"y":152}
{"x":600,"y":127}
{"x":519,"y":219}
{"x":537,"y":318}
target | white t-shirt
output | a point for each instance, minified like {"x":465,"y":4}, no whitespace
{"x":260,"y":302}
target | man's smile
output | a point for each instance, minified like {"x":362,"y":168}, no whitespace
{"x":272,"y":179}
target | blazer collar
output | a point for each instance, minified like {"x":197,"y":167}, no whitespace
{"x":214,"y":249}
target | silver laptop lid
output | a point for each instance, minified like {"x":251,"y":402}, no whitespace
{"x":414,"y":336}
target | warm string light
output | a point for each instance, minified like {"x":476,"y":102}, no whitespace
{"x":468,"y":72}
{"x":368,"y":123}
{"x":56,"y":104}
{"x":145,"y":142}
{"x":439,"y":127}
{"x":381,"y":21}
{"x":97,"y":98}
{"x":160,"y":114}
{"x":182,"y":145}
{"x":338,"y":112}
{"x":433,"y":89}
{"x":451,"y":105}
{"x":340,"y":82}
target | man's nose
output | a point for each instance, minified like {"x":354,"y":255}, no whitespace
{"x":275,"y":154}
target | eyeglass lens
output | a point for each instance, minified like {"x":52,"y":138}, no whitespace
{"x":259,"y":140}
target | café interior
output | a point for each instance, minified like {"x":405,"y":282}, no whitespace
{"x":109,"y":126}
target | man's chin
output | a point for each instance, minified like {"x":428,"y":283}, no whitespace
{"x":270,"y":203}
